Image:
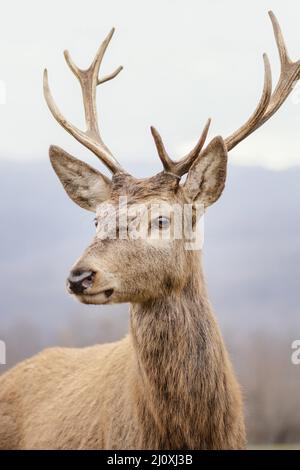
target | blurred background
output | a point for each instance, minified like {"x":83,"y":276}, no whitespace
{"x":183,"y":62}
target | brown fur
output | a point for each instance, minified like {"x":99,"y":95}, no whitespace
{"x":168,"y":385}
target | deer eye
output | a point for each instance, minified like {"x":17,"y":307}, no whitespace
{"x":162,"y":222}
{"x":96,"y":223}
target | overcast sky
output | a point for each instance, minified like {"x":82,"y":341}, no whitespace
{"x":183,"y":62}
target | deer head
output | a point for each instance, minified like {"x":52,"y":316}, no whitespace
{"x":129,"y":269}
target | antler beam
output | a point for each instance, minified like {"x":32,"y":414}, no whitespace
{"x":270,"y":102}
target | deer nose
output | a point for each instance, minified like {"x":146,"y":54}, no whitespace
{"x":80,"y":280}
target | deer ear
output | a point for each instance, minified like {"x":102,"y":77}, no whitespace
{"x":206,"y":177}
{"x":85,"y":185}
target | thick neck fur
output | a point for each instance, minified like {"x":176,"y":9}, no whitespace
{"x":187,"y":394}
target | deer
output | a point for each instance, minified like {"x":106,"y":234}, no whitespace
{"x":169,"y":384}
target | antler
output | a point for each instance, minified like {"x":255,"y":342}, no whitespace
{"x":89,"y":80}
{"x":270,"y":102}
{"x":268,"y":105}
{"x":180,"y":167}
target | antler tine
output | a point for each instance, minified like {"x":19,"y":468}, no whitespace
{"x":249,"y":126}
{"x":270,"y":102}
{"x":289,"y":73}
{"x":162,"y":153}
{"x":186,"y":162}
{"x":180,"y":167}
{"x":89,"y":80}
{"x":283,"y":54}
{"x":110,"y":76}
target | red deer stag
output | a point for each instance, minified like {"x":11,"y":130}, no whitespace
{"x":169,"y":384}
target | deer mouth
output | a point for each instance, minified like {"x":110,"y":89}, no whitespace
{"x":100,"y":297}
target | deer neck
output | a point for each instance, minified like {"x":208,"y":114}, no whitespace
{"x":182,"y":370}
